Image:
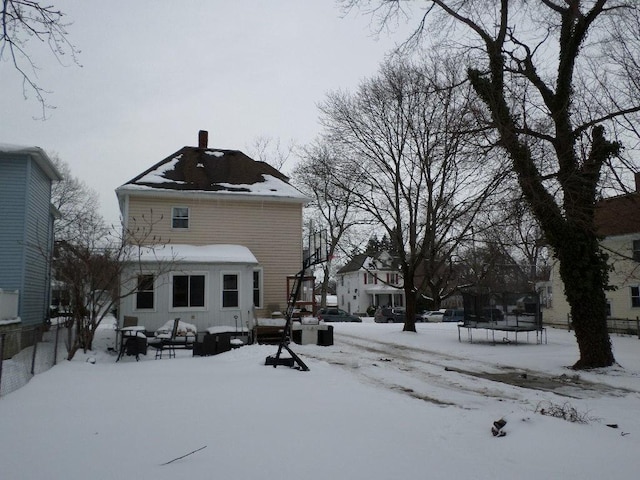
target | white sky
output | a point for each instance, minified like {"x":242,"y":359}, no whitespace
{"x":155,"y":72}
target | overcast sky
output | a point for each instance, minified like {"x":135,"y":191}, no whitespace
{"x":154,"y":72}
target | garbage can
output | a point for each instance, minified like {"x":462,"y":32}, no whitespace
{"x":325,"y":337}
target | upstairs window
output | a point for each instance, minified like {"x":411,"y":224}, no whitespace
{"x":179,"y":217}
{"x":144,"y":292}
{"x":188,"y":291}
{"x":636,"y":250}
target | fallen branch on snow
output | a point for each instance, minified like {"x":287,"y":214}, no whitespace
{"x":190,"y":453}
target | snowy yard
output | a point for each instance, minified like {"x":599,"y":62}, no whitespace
{"x":378,"y":404}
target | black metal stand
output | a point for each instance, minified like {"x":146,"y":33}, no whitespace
{"x":295,"y":361}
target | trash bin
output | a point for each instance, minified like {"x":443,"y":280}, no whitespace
{"x":325,"y":337}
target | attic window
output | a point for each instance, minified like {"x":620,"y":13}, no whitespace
{"x":179,"y":217}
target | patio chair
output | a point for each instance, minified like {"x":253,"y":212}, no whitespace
{"x":166,"y":341}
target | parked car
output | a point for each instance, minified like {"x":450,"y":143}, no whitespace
{"x":336,"y":315}
{"x":453,"y":315}
{"x":389,"y":315}
{"x":434,"y":316}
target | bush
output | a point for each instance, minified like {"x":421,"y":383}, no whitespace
{"x":566,"y":411}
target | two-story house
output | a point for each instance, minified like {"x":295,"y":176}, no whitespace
{"x":617,"y":220}
{"x":26,"y":236}
{"x":227,"y":230}
{"x":369,"y":280}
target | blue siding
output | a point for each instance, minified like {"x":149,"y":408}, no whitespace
{"x":25,"y":239}
{"x":13,"y":181}
{"x":35,"y":299}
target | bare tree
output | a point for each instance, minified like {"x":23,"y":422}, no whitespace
{"x":101,"y":268}
{"x":78,"y":206}
{"x":272,"y":151}
{"x":561,"y":73}
{"x":96,"y":265}
{"x":332,"y":205}
{"x":512,"y":230}
{"x":22,"y":21}
{"x":405,"y":132}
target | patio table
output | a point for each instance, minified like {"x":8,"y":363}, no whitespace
{"x":126,"y":333}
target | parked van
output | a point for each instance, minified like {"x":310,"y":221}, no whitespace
{"x":453,"y":315}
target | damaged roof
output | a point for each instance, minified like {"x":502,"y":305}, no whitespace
{"x":213,"y":170}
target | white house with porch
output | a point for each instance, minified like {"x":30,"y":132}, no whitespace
{"x":370,"y":280}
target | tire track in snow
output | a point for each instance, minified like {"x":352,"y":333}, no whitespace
{"x":437,"y":378}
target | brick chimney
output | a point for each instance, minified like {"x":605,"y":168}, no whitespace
{"x":203,"y":139}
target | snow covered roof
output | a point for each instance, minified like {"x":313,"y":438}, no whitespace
{"x":213,"y":171}
{"x":381,"y":261}
{"x":37,"y":154}
{"x":194,"y":254}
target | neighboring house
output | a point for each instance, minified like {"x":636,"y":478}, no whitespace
{"x":244,"y":217}
{"x":331,"y":300}
{"x":26,"y":236}
{"x":618,"y":222}
{"x":369,"y":281}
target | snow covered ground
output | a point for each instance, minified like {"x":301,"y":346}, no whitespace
{"x":378,"y":404}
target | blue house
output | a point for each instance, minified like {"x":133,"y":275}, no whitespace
{"x":26,"y":236}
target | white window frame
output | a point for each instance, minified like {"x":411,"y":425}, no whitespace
{"x":222,"y":290}
{"x":188,"y":308}
{"x":174,"y":217}
{"x":155,"y":294}
{"x":637,"y":295}
{"x":260,"y":273}
{"x":635,"y":250}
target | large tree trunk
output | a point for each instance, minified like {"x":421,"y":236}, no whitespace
{"x":583,"y":269}
{"x":570,"y":230}
{"x":410,"y":296}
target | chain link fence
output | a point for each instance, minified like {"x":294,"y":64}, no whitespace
{"x":42,"y":346}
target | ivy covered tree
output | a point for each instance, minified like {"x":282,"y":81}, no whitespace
{"x":558,"y":81}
